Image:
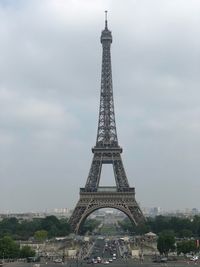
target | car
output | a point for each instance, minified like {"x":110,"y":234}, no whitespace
{"x":114,"y":258}
{"x":33,"y":259}
{"x":159,"y":259}
{"x":194,"y":258}
{"x":164,"y":259}
{"x":188,"y":256}
{"x":98,"y":259}
{"x":58,"y":260}
{"x":106,"y":262}
{"x":110,"y":260}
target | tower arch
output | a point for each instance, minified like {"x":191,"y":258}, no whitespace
{"x":95,"y":208}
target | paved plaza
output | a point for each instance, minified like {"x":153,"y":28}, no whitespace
{"x":117,"y":263}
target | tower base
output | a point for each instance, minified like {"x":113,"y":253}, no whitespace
{"x":105,"y":197}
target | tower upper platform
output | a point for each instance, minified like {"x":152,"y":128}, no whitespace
{"x":106,"y":35}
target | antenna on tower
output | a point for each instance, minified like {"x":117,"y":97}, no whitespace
{"x":106,"y":22}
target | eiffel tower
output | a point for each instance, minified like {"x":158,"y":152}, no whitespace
{"x":106,"y":151}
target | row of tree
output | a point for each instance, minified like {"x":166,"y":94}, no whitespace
{"x":12,"y":230}
{"x":182,"y":227}
{"x":23,"y":230}
{"x":166,"y":242}
{"x":9,"y":249}
{"x":41,"y":229}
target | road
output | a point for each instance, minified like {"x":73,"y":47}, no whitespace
{"x":117,"y":251}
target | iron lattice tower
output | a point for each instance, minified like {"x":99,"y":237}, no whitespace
{"x":106,"y":151}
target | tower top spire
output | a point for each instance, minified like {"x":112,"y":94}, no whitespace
{"x":106,"y":35}
{"x":106,"y":21}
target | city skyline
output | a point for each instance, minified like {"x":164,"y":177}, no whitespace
{"x":49,"y":99}
{"x":148,"y":211}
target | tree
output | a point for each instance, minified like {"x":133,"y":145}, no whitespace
{"x":89,"y":226}
{"x":186,"y":246}
{"x":186,"y":233}
{"x":159,"y":224}
{"x":8,"y":248}
{"x":51,"y":224}
{"x":26,"y":252}
{"x":128,"y":226}
{"x":178,"y":224}
{"x":166,"y":242}
{"x":196,"y":226}
{"x":41,"y":235}
{"x":64,"y":227}
{"x":8,"y":226}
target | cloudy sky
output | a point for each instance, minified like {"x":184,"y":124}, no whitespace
{"x":50,"y":64}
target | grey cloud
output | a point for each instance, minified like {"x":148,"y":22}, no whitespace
{"x":49,"y":96}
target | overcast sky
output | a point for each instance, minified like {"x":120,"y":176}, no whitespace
{"x":50,"y":65}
